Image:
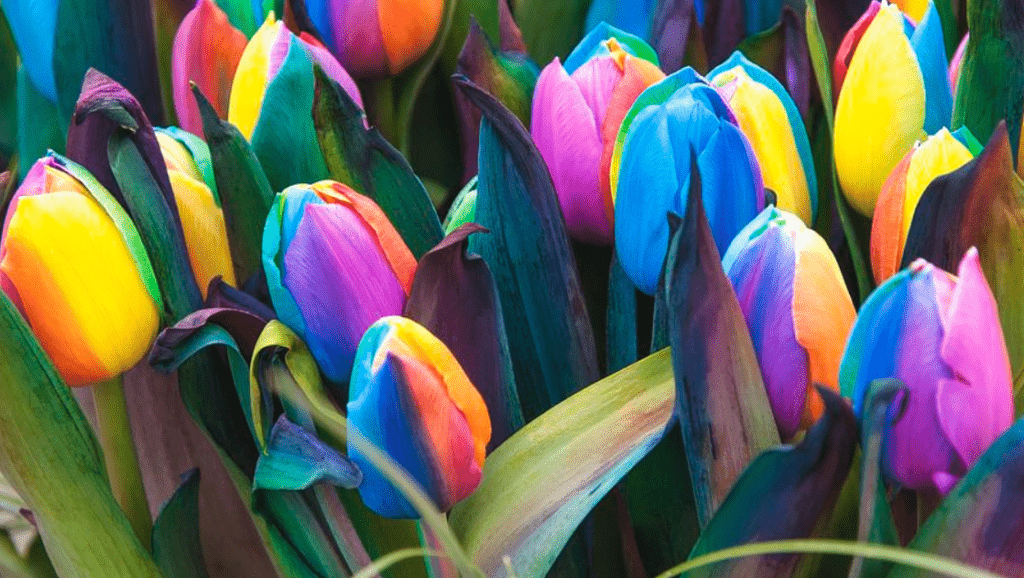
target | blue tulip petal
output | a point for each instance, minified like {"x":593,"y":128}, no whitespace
{"x":34,"y":24}
{"x":593,"y":45}
{"x":748,"y":234}
{"x":930,"y":49}
{"x":319,"y":15}
{"x":635,"y":17}
{"x":730,"y":184}
{"x":796,"y":123}
{"x":272,"y":253}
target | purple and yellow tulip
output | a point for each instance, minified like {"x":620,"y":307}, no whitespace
{"x":410,"y":398}
{"x":941,"y":153}
{"x":374,"y":38}
{"x":577,"y":110}
{"x":771,"y":122}
{"x":797,"y":309}
{"x":202,"y":219}
{"x":334,"y":266}
{"x":940,"y":335}
{"x":893,"y":86}
{"x":73,"y":263}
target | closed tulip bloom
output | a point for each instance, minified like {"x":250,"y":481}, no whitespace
{"x":374,"y":38}
{"x":893,"y":90}
{"x":941,"y":153}
{"x":334,"y":266}
{"x":650,"y":171}
{"x":769,"y":119}
{"x":73,"y":263}
{"x":577,"y":110}
{"x":797,"y":308}
{"x":411,"y":399}
{"x":940,"y":335}
{"x":202,"y":219}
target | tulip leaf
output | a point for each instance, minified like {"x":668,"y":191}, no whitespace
{"x":469,"y":14}
{"x":40,"y":127}
{"x":803,"y":480}
{"x":8,"y":98}
{"x":539,"y":485}
{"x":244,"y":190}
{"x":549,"y":332}
{"x":545,"y":41}
{"x":782,"y":50}
{"x":981,"y":520}
{"x":981,"y":205}
{"x":991,"y":86}
{"x":720,"y":399}
{"x":296,"y":459}
{"x":50,"y":448}
{"x":364,"y":160}
{"x":620,"y":332}
{"x":823,"y":76}
{"x":176,"y":546}
{"x":116,"y":36}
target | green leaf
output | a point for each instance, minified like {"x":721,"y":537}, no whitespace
{"x":8,"y":98}
{"x":823,"y":75}
{"x":546,"y":41}
{"x":539,"y":485}
{"x":484,"y":12}
{"x":244,"y":190}
{"x":721,"y":401}
{"x":549,"y":332}
{"x":176,"y":545}
{"x":364,"y":160}
{"x":46,"y":449}
{"x":40,"y":127}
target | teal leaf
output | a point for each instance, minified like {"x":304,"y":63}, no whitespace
{"x":549,"y":332}
{"x":176,"y":545}
{"x":296,"y":459}
{"x":8,"y":99}
{"x":40,"y":127}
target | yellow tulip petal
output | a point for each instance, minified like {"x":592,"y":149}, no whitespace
{"x":79,"y":286}
{"x":938,"y":155}
{"x":177,"y":157}
{"x":764,"y":122}
{"x":206,"y":235}
{"x":914,"y":8}
{"x":251,"y":78}
{"x":407,"y":29}
{"x":880,"y":112}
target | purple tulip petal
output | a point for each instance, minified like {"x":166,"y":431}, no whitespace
{"x":357,"y":38}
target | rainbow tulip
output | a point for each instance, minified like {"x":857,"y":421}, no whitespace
{"x":202,"y":219}
{"x":206,"y":51}
{"x":377,"y":37}
{"x":893,"y":89}
{"x":769,"y":119}
{"x":941,"y":153}
{"x":797,"y":308}
{"x":941,"y":336}
{"x":577,"y":110}
{"x":334,"y":265}
{"x":650,"y":171}
{"x":957,"y":62}
{"x":411,"y":399}
{"x":73,"y":263}
{"x":272,"y":99}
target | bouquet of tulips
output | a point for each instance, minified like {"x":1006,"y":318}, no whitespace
{"x":511,"y":288}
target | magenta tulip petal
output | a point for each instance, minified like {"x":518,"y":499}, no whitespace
{"x":356,"y":37}
{"x":596,"y":80}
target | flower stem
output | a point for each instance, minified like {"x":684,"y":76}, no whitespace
{"x":115,"y":435}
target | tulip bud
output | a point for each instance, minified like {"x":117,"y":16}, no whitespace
{"x":769,"y":119}
{"x":576,"y":114}
{"x":411,"y":399}
{"x":202,"y":219}
{"x":73,"y":263}
{"x":940,"y":335}
{"x":650,"y":171}
{"x":797,"y":309}
{"x":895,"y":90}
{"x":334,"y":266}
{"x":941,"y":153}
{"x":377,"y":37}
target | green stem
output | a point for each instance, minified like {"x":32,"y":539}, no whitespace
{"x":380,"y":106}
{"x":115,"y":435}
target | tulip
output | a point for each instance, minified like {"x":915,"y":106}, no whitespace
{"x":377,"y":37}
{"x":202,"y":219}
{"x":956,"y":63}
{"x":770,"y":120}
{"x":941,"y":153}
{"x":206,"y":51}
{"x":73,"y":263}
{"x":577,"y":110}
{"x":630,"y":16}
{"x":940,"y":335}
{"x":272,"y":99}
{"x":797,"y":308}
{"x":334,"y":266}
{"x":650,"y":171}
{"x":411,"y":399}
{"x":893,"y":89}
